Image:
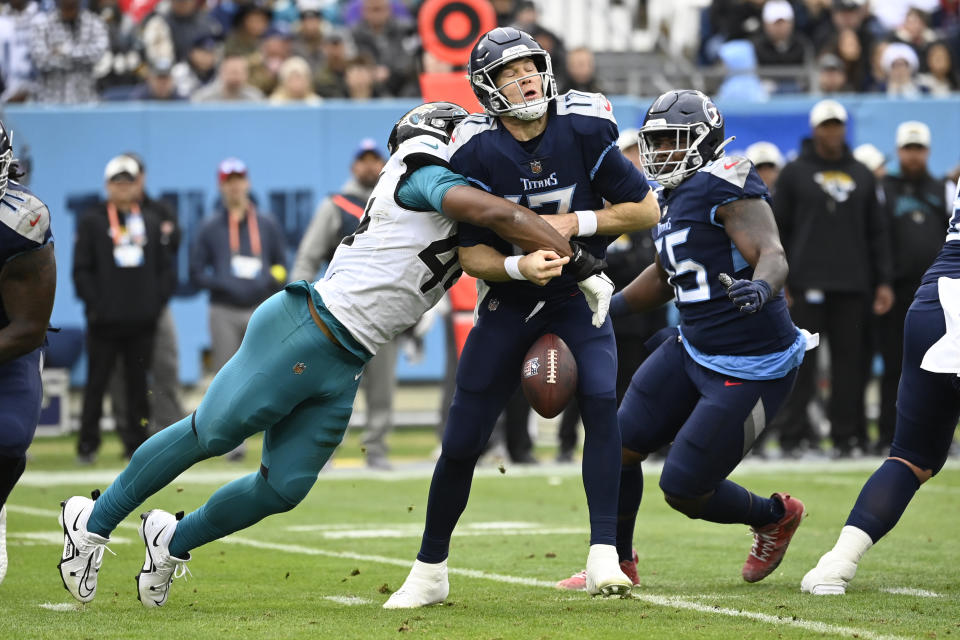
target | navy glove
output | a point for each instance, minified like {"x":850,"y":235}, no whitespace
{"x":583,"y":264}
{"x":748,"y":295}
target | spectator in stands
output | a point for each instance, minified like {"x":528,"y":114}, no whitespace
{"x":275,"y":47}
{"x":832,"y":75}
{"x":118,"y":71}
{"x":294,"y":83}
{"x":741,"y":81}
{"x":360,"y":79}
{"x":159,"y":84}
{"x":581,"y":72}
{"x":65,"y":45}
{"x":846,"y":46}
{"x":329,"y":80}
{"x":736,"y":19}
{"x":386,"y":40}
{"x":918,"y":208}
{"x":836,"y":239}
{"x":941,"y":78}
{"x":900,"y":63}
{"x":122,"y":273}
{"x":915,"y":31}
{"x":853,"y":15}
{"x":250,"y":24}
{"x":16,"y":67}
{"x":335,"y":218}
{"x":239,"y":256}
{"x":171,"y":31}
{"x":200,"y":67}
{"x":231,"y":84}
{"x":164,"y":381}
{"x":309,"y":34}
{"x":778,"y":43}
{"x":873,"y":159}
{"x":768,"y":160}
{"x":506,"y":11}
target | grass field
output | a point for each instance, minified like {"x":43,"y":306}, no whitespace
{"x":323,"y":569}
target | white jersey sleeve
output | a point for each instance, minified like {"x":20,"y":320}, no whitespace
{"x":399,"y":262}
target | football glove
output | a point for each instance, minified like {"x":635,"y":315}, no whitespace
{"x":748,"y":295}
{"x":597,"y":289}
{"x":583,"y":264}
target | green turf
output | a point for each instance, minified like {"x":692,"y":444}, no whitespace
{"x":241,"y":591}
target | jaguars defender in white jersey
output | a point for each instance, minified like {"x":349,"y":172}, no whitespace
{"x":296,"y":373}
{"x":28,"y":279}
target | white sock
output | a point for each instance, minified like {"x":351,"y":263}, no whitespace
{"x":852,"y":544}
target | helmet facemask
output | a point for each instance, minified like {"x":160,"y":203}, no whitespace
{"x":498,"y":104}
{"x":6,"y":159}
{"x":672,"y":165}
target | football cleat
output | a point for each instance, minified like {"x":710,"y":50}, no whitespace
{"x":427,"y":584}
{"x":770,"y":542}
{"x":3,"y":542}
{"x":578,"y":581}
{"x":82,"y":551}
{"x":604,"y":575}
{"x":159,"y":567}
{"x":830,"y":577}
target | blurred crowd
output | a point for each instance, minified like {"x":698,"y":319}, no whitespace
{"x":76,"y":51}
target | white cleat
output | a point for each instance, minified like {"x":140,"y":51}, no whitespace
{"x":427,"y":584}
{"x":159,"y":567}
{"x":830,"y":577}
{"x":82,"y":551}
{"x":604,"y":576}
{"x":3,"y":542}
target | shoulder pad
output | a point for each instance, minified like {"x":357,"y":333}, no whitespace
{"x":733,"y":169}
{"x":470,"y":126}
{"x":25,"y":213}
{"x":582,"y":103}
{"x":424,"y":144}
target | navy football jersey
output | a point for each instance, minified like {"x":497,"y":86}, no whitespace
{"x":24,"y":226}
{"x":947,"y":263}
{"x":574,"y":165}
{"x":694,"y":249}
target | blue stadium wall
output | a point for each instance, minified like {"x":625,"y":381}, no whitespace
{"x":298,"y":155}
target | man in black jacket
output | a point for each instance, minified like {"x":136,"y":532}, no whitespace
{"x":836,"y":239}
{"x":918,"y":209}
{"x":123,"y":274}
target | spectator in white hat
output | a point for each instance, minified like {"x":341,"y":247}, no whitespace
{"x":779,"y":43}
{"x":918,"y":210}
{"x":873,"y":158}
{"x":768,"y":160}
{"x":899,"y":62}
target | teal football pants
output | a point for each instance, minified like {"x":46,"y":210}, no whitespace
{"x":289,"y":381}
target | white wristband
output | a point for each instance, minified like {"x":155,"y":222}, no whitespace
{"x":587,"y":221}
{"x":512,"y":265}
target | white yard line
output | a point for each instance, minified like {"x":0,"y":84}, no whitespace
{"x":907,"y":591}
{"x":60,"y":606}
{"x":348,"y":600}
{"x":675,"y":602}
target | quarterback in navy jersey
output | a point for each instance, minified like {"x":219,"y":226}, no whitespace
{"x":928,"y":409}
{"x":28,"y":278}
{"x":712,"y":384}
{"x":558,"y":156}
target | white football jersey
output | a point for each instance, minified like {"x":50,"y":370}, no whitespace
{"x":399,"y":262}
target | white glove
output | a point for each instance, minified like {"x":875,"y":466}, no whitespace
{"x":597,"y":289}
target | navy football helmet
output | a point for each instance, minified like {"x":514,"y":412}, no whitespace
{"x":6,"y":157}
{"x":497,"y":48}
{"x":682,"y":131}
{"x":437,"y":119}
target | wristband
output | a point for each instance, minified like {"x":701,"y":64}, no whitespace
{"x":512,"y":265}
{"x":587,"y":222}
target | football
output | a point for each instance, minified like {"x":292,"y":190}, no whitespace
{"x":549,"y":375}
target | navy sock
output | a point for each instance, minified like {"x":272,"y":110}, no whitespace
{"x":601,"y":464}
{"x":883,"y":499}
{"x":11,"y":468}
{"x":449,"y":492}
{"x":731,"y":503}
{"x":631,"y":492}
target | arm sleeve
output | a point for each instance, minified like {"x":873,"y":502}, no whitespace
{"x":199,"y":261}
{"x":614,"y":177}
{"x":424,"y":189}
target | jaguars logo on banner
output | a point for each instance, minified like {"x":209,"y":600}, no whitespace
{"x":450,"y":28}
